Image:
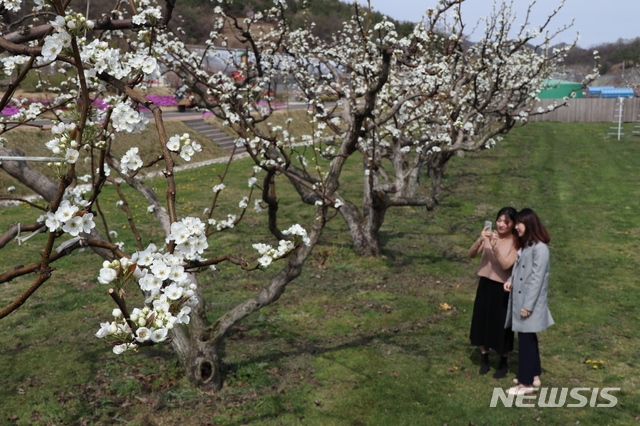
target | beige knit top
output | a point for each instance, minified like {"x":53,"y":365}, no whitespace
{"x":490,"y":267}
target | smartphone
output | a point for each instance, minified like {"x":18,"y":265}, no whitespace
{"x":487,"y":223}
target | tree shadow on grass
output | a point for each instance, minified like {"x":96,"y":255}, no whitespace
{"x":400,"y":256}
{"x":301,"y":345}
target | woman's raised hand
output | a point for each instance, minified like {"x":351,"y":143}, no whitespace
{"x":507,"y":286}
{"x":486,"y":233}
{"x":494,"y":239}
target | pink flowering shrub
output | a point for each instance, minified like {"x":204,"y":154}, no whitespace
{"x":9,"y":110}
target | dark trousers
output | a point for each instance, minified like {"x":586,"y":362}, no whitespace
{"x":528,"y":358}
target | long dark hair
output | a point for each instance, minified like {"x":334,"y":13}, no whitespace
{"x":509,"y":212}
{"x":534,"y":229}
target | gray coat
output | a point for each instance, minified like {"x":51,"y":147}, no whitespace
{"x":529,"y":287}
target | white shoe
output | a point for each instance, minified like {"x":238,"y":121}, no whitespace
{"x":536,"y":382}
{"x":521,"y":390}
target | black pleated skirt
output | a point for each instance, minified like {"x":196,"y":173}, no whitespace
{"x":489,"y":314}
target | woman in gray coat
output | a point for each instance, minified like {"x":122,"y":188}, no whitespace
{"x":527,"y":311}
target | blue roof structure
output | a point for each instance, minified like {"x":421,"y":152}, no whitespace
{"x":596,"y":90}
{"x":618,"y":92}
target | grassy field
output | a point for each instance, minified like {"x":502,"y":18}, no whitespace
{"x":358,"y":341}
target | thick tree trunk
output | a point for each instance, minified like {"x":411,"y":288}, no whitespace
{"x":365,"y":231}
{"x":366,"y":241}
{"x":198,"y":344}
{"x":365,"y":227}
{"x":197,"y":353}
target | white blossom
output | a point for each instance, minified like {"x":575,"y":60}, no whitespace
{"x":107,"y":275}
{"x":159,"y":335}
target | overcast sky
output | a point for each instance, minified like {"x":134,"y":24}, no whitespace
{"x":597,"y":21}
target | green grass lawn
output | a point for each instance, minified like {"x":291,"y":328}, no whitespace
{"x":358,"y":340}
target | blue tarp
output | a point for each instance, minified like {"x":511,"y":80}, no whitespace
{"x":618,"y":92}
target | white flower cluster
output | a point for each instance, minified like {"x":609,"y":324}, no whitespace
{"x":189,"y":236}
{"x":152,"y":13}
{"x":147,"y":64}
{"x":62,"y":142}
{"x":53,"y":45}
{"x":126,"y":119}
{"x":31,"y":113}
{"x":65,"y":218}
{"x":12,"y":5}
{"x":75,"y":23}
{"x":185,"y":145}
{"x":298,"y":233}
{"x":10,"y":62}
{"x":64,"y":25}
{"x":230,"y":222}
{"x":105,"y":58}
{"x":75,"y":195}
{"x":130,"y":161}
{"x":269,"y":254}
{"x":101,"y":55}
{"x":257,"y":206}
{"x":219,"y":187}
{"x":170,"y":297}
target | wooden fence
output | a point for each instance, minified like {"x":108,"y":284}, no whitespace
{"x":588,"y":110}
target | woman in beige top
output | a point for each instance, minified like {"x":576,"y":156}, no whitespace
{"x":499,"y":251}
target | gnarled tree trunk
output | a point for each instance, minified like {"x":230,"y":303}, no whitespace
{"x":197,"y":353}
{"x":198,"y":344}
{"x":364,"y":226}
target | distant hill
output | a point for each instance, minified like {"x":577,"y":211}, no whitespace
{"x":195,"y":17}
{"x":328,"y":16}
{"x":619,"y":63}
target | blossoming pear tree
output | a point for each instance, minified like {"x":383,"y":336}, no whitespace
{"x":105,"y":60}
{"x":403,"y":106}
